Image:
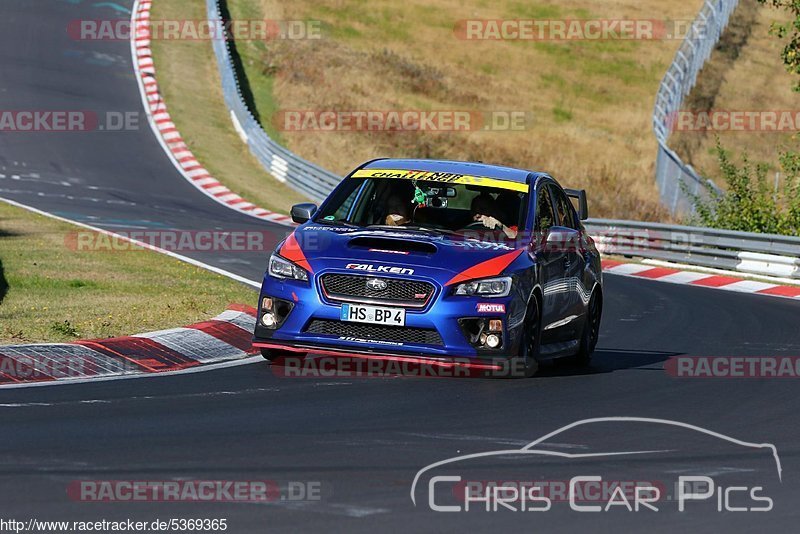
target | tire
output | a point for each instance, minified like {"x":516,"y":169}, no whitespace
{"x":529,"y":347}
{"x":272,"y":355}
{"x":591,"y":331}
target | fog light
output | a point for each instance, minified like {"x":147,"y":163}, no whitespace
{"x":492,"y":341}
{"x":266,"y":304}
{"x":482,"y":339}
{"x":268,"y":320}
{"x":495,"y":325}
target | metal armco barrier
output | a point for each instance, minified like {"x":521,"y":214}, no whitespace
{"x":763,"y":254}
{"x":304,"y":176}
{"x":679,"y":80}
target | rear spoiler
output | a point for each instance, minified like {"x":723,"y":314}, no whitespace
{"x":580,"y":196}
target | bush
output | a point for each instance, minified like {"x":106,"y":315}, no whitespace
{"x":751,"y":202}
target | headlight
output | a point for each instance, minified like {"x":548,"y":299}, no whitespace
{"x":488,"y":287}
{"x":281,"y":268}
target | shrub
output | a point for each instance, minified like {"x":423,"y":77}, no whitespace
{"x":750,"y":202}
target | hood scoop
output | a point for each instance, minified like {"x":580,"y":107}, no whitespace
{"x":392,"y":245}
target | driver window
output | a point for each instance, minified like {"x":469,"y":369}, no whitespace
{"x":566,"y":217}
{"x":545,"y":215}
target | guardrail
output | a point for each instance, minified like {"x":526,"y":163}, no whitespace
{"x":304,"y":176}
{"x":679,"y":80}
{"x":760,"y":254}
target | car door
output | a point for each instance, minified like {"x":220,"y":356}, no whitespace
{"x":551,"y":260}
{"x":574,"y":261}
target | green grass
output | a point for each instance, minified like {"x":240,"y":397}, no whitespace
{"x":561,"y":114}
{"x":57,"y":294}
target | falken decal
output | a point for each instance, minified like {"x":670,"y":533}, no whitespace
{"x":369,"y":268}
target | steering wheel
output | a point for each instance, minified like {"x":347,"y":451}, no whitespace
{"x":477,"y":225}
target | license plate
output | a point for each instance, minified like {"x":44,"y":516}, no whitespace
{"x":355,"y":313}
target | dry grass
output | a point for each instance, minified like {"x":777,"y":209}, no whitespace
{"x":189,"y":81}
{"x":591,"y":101}
{"x":747,"y":77}
{"x":58,"y":294}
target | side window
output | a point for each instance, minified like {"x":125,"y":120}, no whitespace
{"x":344,"y":210}
{"x":364,"y":194}
{"x":566,"y":215}
{"x":545,"y":216}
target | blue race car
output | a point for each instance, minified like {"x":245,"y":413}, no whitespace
{"x":444,"y":262}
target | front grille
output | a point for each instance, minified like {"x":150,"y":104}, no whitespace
{"x":354,"y":288}
{"x":375,"y":332}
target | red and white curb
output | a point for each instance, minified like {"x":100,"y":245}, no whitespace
{"x":700,"y":279}
{"x":165,"y":130}
{"x":225,"y":338}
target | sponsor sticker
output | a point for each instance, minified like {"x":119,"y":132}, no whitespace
{"x":366,"y":267}
{"x":493,"y":307}
{"x":384,"y":251}
{"x":442,"y":177}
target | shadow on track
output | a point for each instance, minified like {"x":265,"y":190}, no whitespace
{"x":3,"y":283}
{"x":608,"y":361}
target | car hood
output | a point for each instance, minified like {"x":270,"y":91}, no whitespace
{"x":445,"y":258}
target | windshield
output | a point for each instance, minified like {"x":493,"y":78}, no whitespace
{"x":432,"y":205}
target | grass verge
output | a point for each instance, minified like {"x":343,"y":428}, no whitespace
{"x":190,"y":84}
{"x":50,"y":293}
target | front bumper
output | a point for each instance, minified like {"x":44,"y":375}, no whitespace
{"x":441,"y":314}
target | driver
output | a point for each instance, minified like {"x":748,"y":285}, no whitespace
{"x":483,"y":210}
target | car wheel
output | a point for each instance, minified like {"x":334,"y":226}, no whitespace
{"x":272,"y":355}
{"x":526,"y":358}
{"x":591,"y":331}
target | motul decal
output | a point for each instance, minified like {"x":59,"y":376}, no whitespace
{"x":485,"y":307}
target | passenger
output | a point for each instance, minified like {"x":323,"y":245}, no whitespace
{"x":484,"y":210}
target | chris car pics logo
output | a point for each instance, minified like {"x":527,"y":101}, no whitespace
{"x":446,"y":487}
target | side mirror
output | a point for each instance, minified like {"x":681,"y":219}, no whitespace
{"x":583,"y":205}
{"x":560,"y":239}
{"x":303,"y":212}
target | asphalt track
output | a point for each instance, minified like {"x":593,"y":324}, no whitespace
{"x":362,"y":439}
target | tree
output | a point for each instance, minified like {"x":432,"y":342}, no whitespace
{"x":791,"y":52}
